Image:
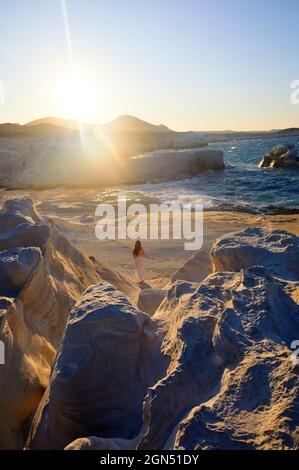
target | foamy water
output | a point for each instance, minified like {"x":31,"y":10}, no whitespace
{"x":241,"y":186}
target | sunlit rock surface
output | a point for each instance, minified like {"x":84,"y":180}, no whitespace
{"x":85,"y":161}
{"x":149,"y":300}
{"x":276,"y":250}
{"x":110,"y":355}
{"x":167,"y":165}
{"x":213,"y":368}
{"x":231,"y":383}
{"x":195,"y":269}
{"x":41,"y":277}
{"x":282,"y":156}
{"x":116,"y":443}
{"x":223,"y":378}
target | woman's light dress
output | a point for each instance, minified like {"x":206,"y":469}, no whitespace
{"x":139,"y":268}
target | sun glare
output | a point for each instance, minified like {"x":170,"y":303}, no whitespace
{"x":76,"y":96}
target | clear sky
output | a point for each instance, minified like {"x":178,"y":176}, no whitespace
{"x":190,"y":64}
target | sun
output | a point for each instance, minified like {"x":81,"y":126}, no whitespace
{"x":76,"y":96}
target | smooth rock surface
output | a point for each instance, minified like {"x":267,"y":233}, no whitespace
{"x":41,"y":277}
{"x":46,"y":162}
{"x":99,"y":443}
{"x":110,"y":355}
{"x":16,"y":267}
{"x":167,"y":165}
{"x":215,"y":361}
{"x":196,"y":268}
{"x":276,"y":250}
{"x":231,"y":383}
{"x":149,"y":300}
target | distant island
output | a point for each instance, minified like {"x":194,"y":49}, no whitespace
{"x":227,"y":136}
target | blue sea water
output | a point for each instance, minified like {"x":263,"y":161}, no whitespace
{"x":242,"y":185}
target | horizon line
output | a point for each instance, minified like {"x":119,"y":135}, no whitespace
{"x":147,"y":122}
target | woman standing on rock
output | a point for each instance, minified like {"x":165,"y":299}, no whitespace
{"x":138,"y":255}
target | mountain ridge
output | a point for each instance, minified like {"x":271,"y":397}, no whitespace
{"x":126,"y":124}
{"x":123,"y":123}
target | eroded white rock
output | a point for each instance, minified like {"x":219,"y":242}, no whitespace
{"x":230,"y":382}
{"x":277,"y":250}
{"x":43,"y":162}
{"x":215,"y":357}
{"x":41,"y":277}
{"x":149,"y":300}
{"x":195,"y":269}
{"x":110,"y":355}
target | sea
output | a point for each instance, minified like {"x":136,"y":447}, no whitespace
{"x":241,"y":186}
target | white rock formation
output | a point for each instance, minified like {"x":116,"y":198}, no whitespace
{"x":195,"y":269}
{"x":282,"y":156}
{"x":166,"y":165}
{"x":229,"y":384}
{"x":149,"y":300}
{"x":99,"y":443}
{"x":11,"y":166}
{"x":39,"y":162}
{"x":276,"y":250}
{"x":214,"y":361}
{"x":41,"y":277}
{"x":110,"y":355}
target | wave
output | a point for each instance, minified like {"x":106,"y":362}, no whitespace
{"x":241,"y":187}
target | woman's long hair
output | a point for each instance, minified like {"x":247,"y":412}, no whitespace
{"x":137,"y":248}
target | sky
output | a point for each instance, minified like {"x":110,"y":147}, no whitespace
{"x":189,"y":64}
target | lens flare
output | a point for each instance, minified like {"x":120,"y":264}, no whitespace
{"x":76,"y":96}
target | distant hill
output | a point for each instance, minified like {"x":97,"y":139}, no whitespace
{"x":51,"y":125}
{"x":289,"y":131}
{"x":36,"y":130}
{"x":128,"y":123}
{"x":8,"y":129}
{"x":126,"y":135}
{"x":228,"y":136}
{"x":124,"y":123}
{"x":54,"y":121}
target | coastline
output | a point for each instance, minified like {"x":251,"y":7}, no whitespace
{"x":73,"y":212}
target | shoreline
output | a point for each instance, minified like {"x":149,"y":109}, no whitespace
{"x":231,"y":314}
{"x":73,"y":211}
{"x":269,"y":210}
